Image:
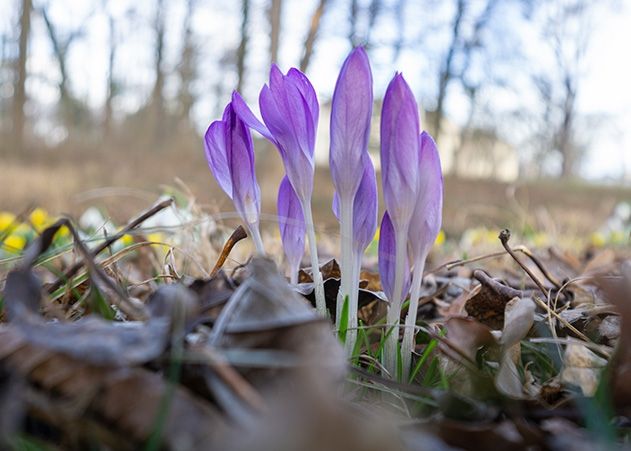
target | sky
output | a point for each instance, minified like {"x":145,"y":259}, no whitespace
{"x":604,"y":94}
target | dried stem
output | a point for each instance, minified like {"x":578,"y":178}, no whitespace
{"x":235,"y":237}
{"x":504,"y":237}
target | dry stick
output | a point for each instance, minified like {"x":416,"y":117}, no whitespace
{"x":542,"y":268}
{"x":236,"y":236}
{"x":455,"y":263}
{"x":504,"y":237}
{"x":107,"y":243}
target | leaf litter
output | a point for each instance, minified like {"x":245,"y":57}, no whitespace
{"x":135,"y":350}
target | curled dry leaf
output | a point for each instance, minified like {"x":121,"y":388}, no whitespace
{"x":489,"y":303}
{"x":582,"y":367}
{"x":518,"y":319}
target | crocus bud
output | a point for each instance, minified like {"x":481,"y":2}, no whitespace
{"x":290,"y":110}
{"x":387,"y":261}
{"x":291,"y":222}
{"x":427,"y":216}
{"x":230,"y":154}
{"x":399,"y":152}
{"x":351,"y":113}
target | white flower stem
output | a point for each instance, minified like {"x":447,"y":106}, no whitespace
{"x":346,"y":244}
{"x":315,"y":268}
{"x":293,"y":274}
{"x":351,"y":335}
{"x":255,"y":234}
{"x":410,"y":320}
{"x":394,"y":310}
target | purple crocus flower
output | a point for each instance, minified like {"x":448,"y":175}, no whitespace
{"x":399,"y":174}
{"x":290,"y":112}
{"x":291,"y":222}
{"x":399,"y":151}
{"x":230,"y":154}
{"x":424,"y":228}
{"x":351,"y":114}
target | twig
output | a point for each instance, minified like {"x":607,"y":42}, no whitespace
{"x":107,"y":243}
{"x":455,"y":263}
{"x":504,"y":237}
{"x":236,"y":236}
{"x":542,"y":268}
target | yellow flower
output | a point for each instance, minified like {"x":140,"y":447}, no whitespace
{"x":40,"y":219}
{"x":6,"y":220}
{"x":158,"y":238}
{"x":540,"y":239}
{"x":14,"y":242}
{"x":127,"y":240}
{"x":440,"y":238}
{"x":598,"y":239}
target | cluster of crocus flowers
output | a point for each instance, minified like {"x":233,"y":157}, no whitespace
{"x":411,"y":179}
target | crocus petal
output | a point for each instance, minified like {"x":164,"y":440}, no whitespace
{"x":230,"y":154}
{"x":217,"y":155}
{"x":308,"y":92}
{"x":365,"y":207}
{"x":245,"y":189}
{"x":427,"y":216}
{"x":387,"y":259}
{"x":351,"y":113}
{"x":399,"y":151}
{"x":291,"y":223}
{"x":289,"y":124}
{"x":246,"y":115}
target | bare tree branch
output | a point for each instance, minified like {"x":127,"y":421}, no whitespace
{"x":312,"y":35}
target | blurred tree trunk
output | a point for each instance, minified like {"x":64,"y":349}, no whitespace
{"x":399,"y":14}
{"x":243,"y":45}
{"x":111,"y":84}
{"x":312,"y":34}
{"x":275,"y":14}
{"x":187,"y":66}
{"x":19,"y":96}
{"x":566,"y":143}
{"x":373,"y":13}
{"x":157,"y":93}
{"x":73,"y":113}
{"x":446,"y":71}
{"x":352,"y":22}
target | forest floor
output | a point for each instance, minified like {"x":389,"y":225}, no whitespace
{"x":162,"y":334}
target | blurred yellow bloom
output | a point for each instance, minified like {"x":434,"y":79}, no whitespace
{"x":14,"y":242}
{"x":127,"y":240}
{"x":40,"y":219}
{"x":598,"y":239}
{"x":159,"y":238}
{"x":156,"y":237}
{"x":540,"y":239}
{"x":63,"y":232}
{"x":618,"y":237}
{"x":6,"y":219}
{"x":440,"y":238}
